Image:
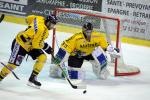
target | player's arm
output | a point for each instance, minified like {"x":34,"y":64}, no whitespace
{"x":47,"y":48}
{"x":40,"y":33}
{"x":114,"y":52}
{"x":37,"y":42}
{"x":64,"y":51}
{"x":29,"y":19}
{"x":103,"y":43}
{"x":69,"y":44}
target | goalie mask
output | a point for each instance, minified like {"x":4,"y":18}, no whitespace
{"x":87,"y":29}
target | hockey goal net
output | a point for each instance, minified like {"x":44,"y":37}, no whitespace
{"x":72,"y":20}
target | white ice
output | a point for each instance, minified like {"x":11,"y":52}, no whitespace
{"x":114,"y":88}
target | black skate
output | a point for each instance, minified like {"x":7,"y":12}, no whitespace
{"x":1,"y":78}
{"x":33,"y":82}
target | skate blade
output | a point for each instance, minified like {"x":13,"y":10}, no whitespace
{"x":33,"y":85}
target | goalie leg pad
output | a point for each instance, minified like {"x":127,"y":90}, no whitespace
{"x":73,"y":74}
{"x":100,"y":73}
{"x":76,"y":73}
{"x":55,"y":71}
{"x":100,"y":63}
{"x":99,"y":55}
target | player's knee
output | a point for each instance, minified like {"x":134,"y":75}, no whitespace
{"x":100,"y":57}
{"x":100,"y":70}
{"x":40,"y":63}
{"x":42,"y":58}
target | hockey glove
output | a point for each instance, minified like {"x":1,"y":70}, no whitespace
{"x":48,"y":49}
{"x":56,"y":60}
{"x":60,"y":56}
{"x":114,"y":52}
{"x":77,"y":53}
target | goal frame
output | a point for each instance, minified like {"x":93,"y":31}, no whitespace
{"x":117,"y":19}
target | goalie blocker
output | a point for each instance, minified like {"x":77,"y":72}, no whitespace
{"x":98,"y":60}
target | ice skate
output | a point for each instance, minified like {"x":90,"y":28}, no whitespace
{"x":33,"y":82}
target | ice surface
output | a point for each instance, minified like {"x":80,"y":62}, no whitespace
{"x":114,"y":88}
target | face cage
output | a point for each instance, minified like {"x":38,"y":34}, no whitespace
{"x":88,"y":32}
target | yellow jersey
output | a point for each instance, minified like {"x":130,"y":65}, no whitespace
{"x":33,"y":37}
{"x":78,"y":43}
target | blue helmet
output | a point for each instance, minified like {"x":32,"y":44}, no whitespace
{"x":51,"y":18}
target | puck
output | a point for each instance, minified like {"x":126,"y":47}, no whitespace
{"x":84,"y":91}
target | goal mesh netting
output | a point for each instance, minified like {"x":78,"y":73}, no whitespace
{"x":72,"y":21}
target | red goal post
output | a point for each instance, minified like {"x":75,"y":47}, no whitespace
{"x":102,"y":23}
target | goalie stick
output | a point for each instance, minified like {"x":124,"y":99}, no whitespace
{"x":11,"y":71}
{"x":2,"y":17}
{"x":68,"y":79}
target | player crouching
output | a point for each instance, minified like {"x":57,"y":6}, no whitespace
{"x":86,"y":45}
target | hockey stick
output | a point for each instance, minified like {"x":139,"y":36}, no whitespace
{"x":11,"y":71}
{"x":68,"y":79}
{"x":2,"y":17}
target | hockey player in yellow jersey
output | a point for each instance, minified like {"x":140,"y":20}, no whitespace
{"x":31,"y":42}
{"x":86,"y":45}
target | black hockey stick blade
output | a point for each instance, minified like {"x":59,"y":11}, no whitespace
{"x":11,"y":71}
{"x":77,"y":86}
{"x":2,"y":17}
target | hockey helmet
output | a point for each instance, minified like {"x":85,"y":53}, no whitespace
{"x":87,"y":28}
{"x":52,"y":19}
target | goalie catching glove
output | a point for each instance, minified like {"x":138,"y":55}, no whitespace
{"x":114,"y":52}
{"x":48,"y":49}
